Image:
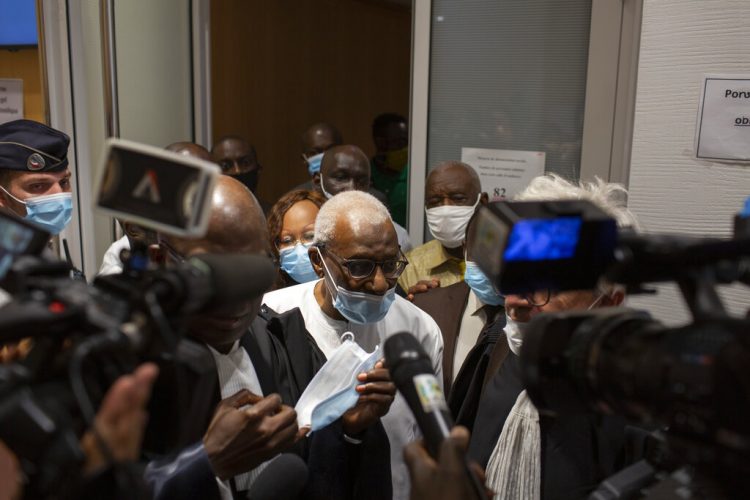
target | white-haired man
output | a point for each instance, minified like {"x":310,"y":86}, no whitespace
{"x":356,"y":253}
{"x":560,"y":457}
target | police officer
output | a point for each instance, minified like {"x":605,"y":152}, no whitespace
{"x":34,"y":175}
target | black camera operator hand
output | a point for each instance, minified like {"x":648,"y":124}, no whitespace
{"x":121,"y":420}
{"x":119,"y":423}
{"x":10,"y":474}
{"x":447,"y":478}
{"x":239,"y":439}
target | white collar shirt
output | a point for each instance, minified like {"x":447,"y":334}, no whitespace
{"x":403,"y":316}
{"x":472,"y":322}
{"x":236,"y":372}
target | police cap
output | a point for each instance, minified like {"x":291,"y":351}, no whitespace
{"x":29,"y":146}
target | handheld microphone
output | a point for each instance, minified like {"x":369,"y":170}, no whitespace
{"x":284,"y":478}
{"x":411,"y":370}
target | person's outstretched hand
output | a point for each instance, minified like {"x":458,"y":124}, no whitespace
{"x":376,"y":393}
{"x":422,"y":286}
{"x":447,"y":477}
{"x":121,"y":419}
{"x":239,"y":439}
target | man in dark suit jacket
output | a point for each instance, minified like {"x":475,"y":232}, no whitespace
{"x":462,"y":373}
{"x":220,"y":453}
{"x":471,"y":318}
{"x":552,"y":457}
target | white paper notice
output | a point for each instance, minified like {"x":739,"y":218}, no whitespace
{"x":504,"y":172}
{"x":11,"y":100}
{"x":723,"y":128}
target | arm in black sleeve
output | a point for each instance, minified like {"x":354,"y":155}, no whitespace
{"x":188,"y":475}
{"x":339,"y":468}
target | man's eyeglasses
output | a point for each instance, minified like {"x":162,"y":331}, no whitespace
{"x":174,"y":254}
{"x":538,"y":298}
{"x":362,"y":268}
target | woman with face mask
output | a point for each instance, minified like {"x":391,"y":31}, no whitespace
{"x":291,"y":228}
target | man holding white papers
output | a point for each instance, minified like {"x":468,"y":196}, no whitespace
{"x":356,"y":252}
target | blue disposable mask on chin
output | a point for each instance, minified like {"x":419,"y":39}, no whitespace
{"x":481,"y":285}
{"x":295,"y":261}
{"x":51,"y":212}
{"x":313,"y":163}
{"x":359,"y":307}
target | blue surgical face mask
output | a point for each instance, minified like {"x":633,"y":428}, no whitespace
{"x":358,"y":307}
{"x":52,"y":212}
{"x":313,"y":163}
{"x":481,"y":285}
{"x":295,"y":261}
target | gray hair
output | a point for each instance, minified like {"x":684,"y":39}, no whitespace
{"x":609,"y":196}
{"x":356,"y":207}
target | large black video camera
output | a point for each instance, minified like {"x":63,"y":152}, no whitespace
{"x":692,"y":380}
{"x":85,"y":336}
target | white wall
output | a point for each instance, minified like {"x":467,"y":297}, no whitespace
{"x":153,"y":57}
{"x":669,"y":190}
{"x":154,"y":75}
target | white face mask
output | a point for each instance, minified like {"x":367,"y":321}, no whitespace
{"x":332,"y":390}
{"x":448,"y":222}
{"x":323,"y":188}
{"x":515,"y":331}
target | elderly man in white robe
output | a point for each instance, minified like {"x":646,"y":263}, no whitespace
{"x":356,"y":252}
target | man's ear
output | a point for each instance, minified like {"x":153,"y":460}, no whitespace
{"x":315,"y":260}
{"x":157,"y":254}
{"x":484,"y":199}
{"x":316,"y":179}
{"x":614,"y":299}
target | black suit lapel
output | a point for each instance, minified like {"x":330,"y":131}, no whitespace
{"x":258,"y":346}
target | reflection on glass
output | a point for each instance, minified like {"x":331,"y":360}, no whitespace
{"x":509,"y":75}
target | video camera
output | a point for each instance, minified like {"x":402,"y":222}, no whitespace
{"x":85,"y":336}
{"x":692,"y":380}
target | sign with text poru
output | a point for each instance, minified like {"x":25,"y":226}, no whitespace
{"x":723,"y":124}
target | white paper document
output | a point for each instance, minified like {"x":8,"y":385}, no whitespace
{"x":722,"y":131}
{"x":11,"y":99}
{"x":504,"y":172}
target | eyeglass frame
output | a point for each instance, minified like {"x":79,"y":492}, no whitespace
{"x":344,"y":263}
{"x":177,"y":256}
{"x":293,"y":243}
{"x":528,"y":297}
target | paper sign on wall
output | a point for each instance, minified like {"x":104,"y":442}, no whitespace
{"x":723,"y":128}
{"x":11,"y":99}
{"x":504,"y":172}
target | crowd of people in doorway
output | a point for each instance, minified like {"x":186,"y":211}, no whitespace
{"x":346,"y":270}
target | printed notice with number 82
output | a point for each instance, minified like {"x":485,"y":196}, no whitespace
{"x":504,"y":172}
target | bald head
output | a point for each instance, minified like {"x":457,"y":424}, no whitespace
{"x":190,"y":149}
{"x":236,"y":223}
{"x":452,"y":183}
{"x":320,"y":137}
{"x":344,"y":168}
